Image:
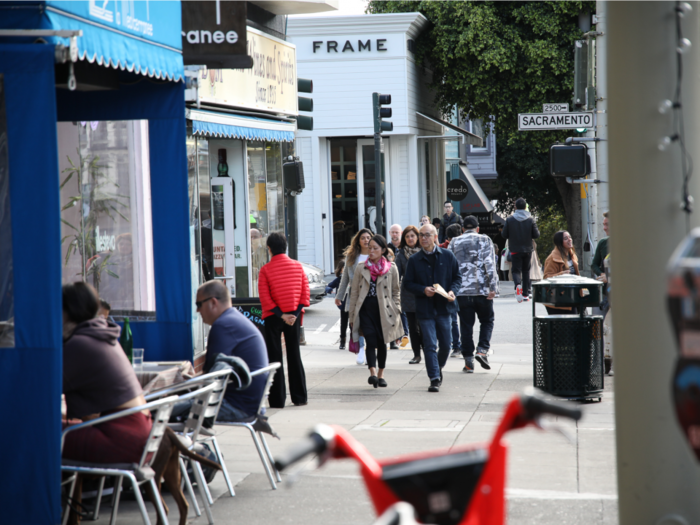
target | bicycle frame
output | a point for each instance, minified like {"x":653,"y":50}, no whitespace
{"x":487,"y":503}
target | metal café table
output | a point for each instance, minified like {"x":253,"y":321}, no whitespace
{"x":162,"y":374}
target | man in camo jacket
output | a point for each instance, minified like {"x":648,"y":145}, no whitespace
{"x":477,"y":265}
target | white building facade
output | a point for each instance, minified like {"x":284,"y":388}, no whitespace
{"x":349,"y":58}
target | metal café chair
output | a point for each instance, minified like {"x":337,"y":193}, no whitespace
{"x":137,"y":473}
{"x":258,"y":437}
{"x":215,"y":383}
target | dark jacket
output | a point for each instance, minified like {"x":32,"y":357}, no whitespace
{"x":408,"y":300}
{"x":420,"y":274}
{"x":520,"y":229}
{"x":455,"y":218}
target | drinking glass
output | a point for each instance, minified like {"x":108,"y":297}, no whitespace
{"x":137,"y":361}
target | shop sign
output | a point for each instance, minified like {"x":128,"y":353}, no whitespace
{"x":214,"y":34}
{"x":351,"y":46}
{"x":270,"y":85}
{"x":457,"y":190}
{"x":251,"y":308}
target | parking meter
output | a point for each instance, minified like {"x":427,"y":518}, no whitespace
{"x":683,"y":294}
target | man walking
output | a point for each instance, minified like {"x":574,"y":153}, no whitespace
{"x":284,"y":291}
{"x":477,"y":266}
{"x":395,"y":238}
{"x":448,"y":219}
{"x":429,"y":268}
{"x":520,"y":229}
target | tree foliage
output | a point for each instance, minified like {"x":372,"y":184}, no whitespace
{"x":493,"y":60}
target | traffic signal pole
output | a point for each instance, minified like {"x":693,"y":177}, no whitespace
{"x":603,"y":189}
{"x":658,"y":474}
{"x":378,"y":167}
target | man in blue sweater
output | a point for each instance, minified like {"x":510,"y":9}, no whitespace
{"x":232,"y":334}
{"x":430,"y":267}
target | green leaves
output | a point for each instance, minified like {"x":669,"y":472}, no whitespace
{"x":493,"y":60}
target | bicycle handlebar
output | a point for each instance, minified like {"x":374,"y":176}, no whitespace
{"x":535,"y":406}
{"x":314,"y":443}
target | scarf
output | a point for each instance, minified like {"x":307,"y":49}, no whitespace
{"x":408,"y":251}
{"x":379,"y":268}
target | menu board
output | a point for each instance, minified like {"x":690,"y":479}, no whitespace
{"x":251,"y":308}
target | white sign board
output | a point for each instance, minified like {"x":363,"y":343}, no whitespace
{"x":270,"y":85}
{"x":541,"y":121}
{"x":555,"y":108}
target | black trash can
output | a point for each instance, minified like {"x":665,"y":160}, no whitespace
{"x":568,"y":349}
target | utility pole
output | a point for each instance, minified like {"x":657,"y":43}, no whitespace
{"x":603,"y":189}
{"x":658,"y":474}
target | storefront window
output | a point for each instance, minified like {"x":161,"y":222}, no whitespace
{"x":275,"y":187}
{"x":107,"y":237}
{"x":258,"y":213}
{"x":7,"y":296}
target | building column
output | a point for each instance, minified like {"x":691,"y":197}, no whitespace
{"x":658,"y":476}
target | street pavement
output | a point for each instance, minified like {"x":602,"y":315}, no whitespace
{"x":551,"y":480}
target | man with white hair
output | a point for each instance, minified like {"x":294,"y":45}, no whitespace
{"x":395,"y":237}
{"x":430,"y":270}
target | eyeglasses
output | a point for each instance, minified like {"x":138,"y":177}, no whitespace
{"x":199,"y":304}
{"x":426,"y":235}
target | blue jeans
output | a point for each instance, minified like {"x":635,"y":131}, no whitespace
{"x":404,"y":322}
{"x":471,"y":307}
{"x":436,"y":330}
{"x":455,"y":331}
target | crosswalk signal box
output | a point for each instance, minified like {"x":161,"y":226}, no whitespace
{"x":569,"y":160}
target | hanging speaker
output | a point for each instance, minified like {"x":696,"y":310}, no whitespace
{"x":293,"y":172}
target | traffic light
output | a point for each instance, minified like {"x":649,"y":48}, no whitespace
{"x":381,"y":113}
{"x":569,"y":160}
{"x":305,"y":85}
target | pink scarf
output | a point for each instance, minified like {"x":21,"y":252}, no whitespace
{"x":379,"y":268}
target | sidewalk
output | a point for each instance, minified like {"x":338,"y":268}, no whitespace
{"x":550,"y":480}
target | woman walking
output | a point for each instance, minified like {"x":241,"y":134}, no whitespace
{"x":561,"y":261}
{"x":333,"y":285}
{"x":409,"y":245}
{"x":375,"y":309}
{"x":355,"y":254}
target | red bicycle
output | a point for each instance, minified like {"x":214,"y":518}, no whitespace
{"x":460,"y":486}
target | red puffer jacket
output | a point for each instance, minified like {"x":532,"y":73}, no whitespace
{"x":282,"y":286}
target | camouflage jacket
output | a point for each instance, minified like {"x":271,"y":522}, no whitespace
{"x":477,"y":263}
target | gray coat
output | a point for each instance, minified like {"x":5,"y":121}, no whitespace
{"x":408,"y":300}
{"x":344,"y":289}
{"x":388,"y":298}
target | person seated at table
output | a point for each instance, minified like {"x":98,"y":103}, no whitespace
{"x":98,"y":380}
{"x":232,"y":334}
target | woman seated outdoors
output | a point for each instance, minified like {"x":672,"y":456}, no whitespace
{"x":561,"y":261}
{"x":98,"y":380}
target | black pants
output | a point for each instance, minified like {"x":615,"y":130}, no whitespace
{"x":344,"y":317}
{"x":471,"y":307}
{"x":414,"y":333}
{"x":521,"y":271}
{"x":375,"y":350}
{"x":274,"y":328}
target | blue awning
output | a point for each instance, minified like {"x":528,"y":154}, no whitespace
{"x":213,"y":124}
{"x":139,"y":36}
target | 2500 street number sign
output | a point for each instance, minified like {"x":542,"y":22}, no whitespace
{"x":538,"y":121}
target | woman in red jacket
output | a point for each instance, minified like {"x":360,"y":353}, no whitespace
{"x":284,"y":291}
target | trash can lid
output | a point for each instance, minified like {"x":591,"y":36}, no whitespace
{"x":568,"y":281}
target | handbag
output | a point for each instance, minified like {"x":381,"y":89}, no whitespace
{"x":354,"y":346}
{"x":509,"y":258}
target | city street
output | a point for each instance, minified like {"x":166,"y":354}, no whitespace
{"x":550,"y":480}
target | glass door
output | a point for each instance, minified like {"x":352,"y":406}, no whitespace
{"x":367,"y":177}
{"x":344,"y":190}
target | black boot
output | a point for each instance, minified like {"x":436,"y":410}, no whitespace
{"x":342,"y":344}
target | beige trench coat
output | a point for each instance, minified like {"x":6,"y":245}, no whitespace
{"x":388,"y":296}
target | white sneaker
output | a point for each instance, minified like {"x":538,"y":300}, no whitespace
{"x":519,"y":293}
{"x":361,"y":357}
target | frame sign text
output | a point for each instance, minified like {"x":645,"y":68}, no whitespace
{"x":541,"y":121}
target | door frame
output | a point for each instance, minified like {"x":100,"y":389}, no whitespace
{"x":361,"y":179}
